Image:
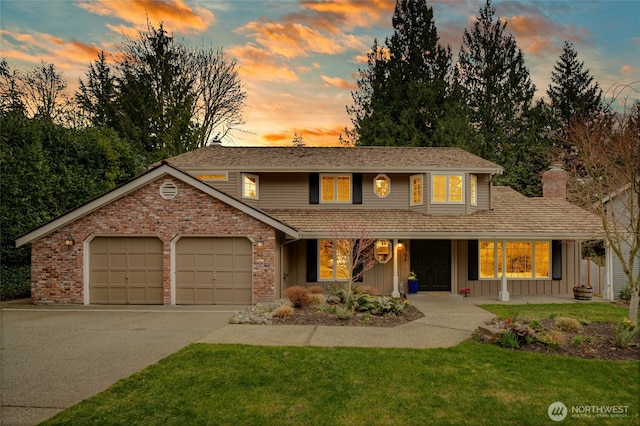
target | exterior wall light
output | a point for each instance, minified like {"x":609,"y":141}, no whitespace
{"x":69,"y":241}
{"x":260,"y":242}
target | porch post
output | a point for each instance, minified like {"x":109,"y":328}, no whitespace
{"x":395,"y":292}
{"x":503,"y":295}
{"x":607,"y":294}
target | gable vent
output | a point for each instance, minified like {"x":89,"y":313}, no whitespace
{"x":168,"y":190}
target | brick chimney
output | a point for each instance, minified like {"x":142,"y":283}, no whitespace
{"x":554,"y":182}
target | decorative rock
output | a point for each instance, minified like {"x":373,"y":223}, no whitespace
{"x":259,"y":314}
{"x":333,"y":300}
{"x":234,"y":320}
{"x":490,"y":333}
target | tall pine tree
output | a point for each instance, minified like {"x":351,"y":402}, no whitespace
{"x":498,"y":90}
{"x":402,"y":95}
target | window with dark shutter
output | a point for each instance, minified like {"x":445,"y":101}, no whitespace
{"x":314,"y":188}
{"x":312,"y":261}
{"x":472,"y":260}
{"x":357,"y":188}
{"x":556,"y":260}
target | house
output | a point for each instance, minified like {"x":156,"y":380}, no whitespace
{"x":239,"y":225}
{"x":619,"y":207}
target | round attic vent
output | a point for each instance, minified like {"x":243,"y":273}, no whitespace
{"x":168,"y":190}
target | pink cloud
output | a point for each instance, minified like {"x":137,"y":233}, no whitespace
{"x":258,"y":64}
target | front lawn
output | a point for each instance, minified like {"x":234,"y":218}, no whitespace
{"x":594,"y":312}
{"x":471,"y":383}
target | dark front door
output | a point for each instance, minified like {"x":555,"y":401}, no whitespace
{"x":431,"y":261}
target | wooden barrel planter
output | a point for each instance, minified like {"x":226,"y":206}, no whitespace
{"x":582,"y":293}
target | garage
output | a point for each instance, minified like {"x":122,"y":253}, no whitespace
{"x":213,"y":271}
{"x":125,"y":270}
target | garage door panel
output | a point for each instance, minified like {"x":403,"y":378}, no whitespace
{"x":126,"y":270}
{"x":217,"y":270}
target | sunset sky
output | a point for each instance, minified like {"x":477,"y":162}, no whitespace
{"x":299,"y":59}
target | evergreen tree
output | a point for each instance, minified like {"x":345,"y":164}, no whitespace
{"x":97,"y":97}
{"x":574,"y":98}
{"x":498,"y":90}
{"x":402,"y":95}
{"x":573,"y":92}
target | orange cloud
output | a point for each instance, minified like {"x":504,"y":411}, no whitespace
{"x":176,"y":15}
{"x":291,"y":40}
{"x":628,"y":70}
{"x":319,"y":136}
{"x":352,"y":13}
{"x":536,"y":34}
{"x":338,"y":82}
{"x":257,"y":64}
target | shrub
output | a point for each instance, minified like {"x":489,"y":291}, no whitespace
{"x":625,"y":293}
{"x":298,"y":295}
{"x":568,"y":324}
{"x":316,"y":299}
{"x":15,"y":282}
{"x":283,"y":311}
{"x":624,"y":333}
{"x":316,"y":289}
{"x":577,"y":340}
{"x":509,"y":340}
{"x":551,"y":339}
{"x":366,"y":289}
{"x":535,"y":325}
{"x":343,"y":313}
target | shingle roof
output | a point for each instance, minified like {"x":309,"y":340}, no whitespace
{"x":359,"y":159}
{"x":514,"y":216}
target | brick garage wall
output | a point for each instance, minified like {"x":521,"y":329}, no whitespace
{"x":57,"y":270}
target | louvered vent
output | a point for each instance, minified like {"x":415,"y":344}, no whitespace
{"x":168,"y":190}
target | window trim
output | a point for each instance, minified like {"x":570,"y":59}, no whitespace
{"x":335,"y":177}
{"x":210,"y":177}
{"x":335,"y":277}
{"x":382,"y":176}
{"x":473,"y":190}
{"x":257,"y":178}
{"x":498,"y":261}
{"x":447,"y":192}
{"x":411,"y":201}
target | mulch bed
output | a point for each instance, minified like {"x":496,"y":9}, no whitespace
{"x":311,"y":315}
{"x":596,"y":343}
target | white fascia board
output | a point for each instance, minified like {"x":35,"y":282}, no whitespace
{"x":139,"y":182}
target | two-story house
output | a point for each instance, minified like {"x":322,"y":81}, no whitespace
{"x":238,"y":225}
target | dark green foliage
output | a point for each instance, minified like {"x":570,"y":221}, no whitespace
{"x":402,"y":96}
{"x":573,"y":93}
{"x":15,"y":282}
{"x":48,"y":170}
{"x":498,"y":91}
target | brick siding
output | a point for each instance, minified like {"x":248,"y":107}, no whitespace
{"x":57,"y":270}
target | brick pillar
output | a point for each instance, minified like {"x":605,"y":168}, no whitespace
{"x":554,"y":182}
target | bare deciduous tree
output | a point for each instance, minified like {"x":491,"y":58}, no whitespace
{"x":606,"y":181}
{"x":354,"y":245}
{"x":44,"y":89}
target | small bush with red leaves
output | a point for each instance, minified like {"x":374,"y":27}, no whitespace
{"x":316,"y":289}
{"x":366,"y":289}
{"x":298,"y":295}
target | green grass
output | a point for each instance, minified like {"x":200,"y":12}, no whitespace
{"x":471,"y":384}
{"x":594,"y":312}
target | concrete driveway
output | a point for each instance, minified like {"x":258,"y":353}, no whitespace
{"x":53,"y":357}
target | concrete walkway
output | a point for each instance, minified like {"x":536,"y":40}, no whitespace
{"x":55,"y":356}
{"x":448,"y":320}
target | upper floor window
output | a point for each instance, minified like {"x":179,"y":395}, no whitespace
{"x":474,"y":190}
{"x":447,"y":189}
{"x":335,"y":188}
{"x":381,"y":185}
{"x":416,"y":190}
{"x":524,"y":259}
{"x":221,"y":176}
{"x":250,"y":186}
